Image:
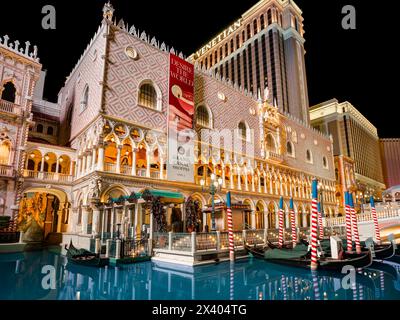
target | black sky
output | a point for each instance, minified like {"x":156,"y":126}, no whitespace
{"x":354,"y":65}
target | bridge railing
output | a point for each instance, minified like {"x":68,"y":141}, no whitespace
{"x":365,"y":217}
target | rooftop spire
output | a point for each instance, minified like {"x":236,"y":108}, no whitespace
{"x":108,"y":11}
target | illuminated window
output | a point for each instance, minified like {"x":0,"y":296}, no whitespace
{"x":8,"y":92}
{"x":5,"y":148}
{"x":148,"y":95}
{"x":203,"y":117}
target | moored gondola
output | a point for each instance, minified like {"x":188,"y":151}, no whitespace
{"x":384,"y":251}
{"x":301,"y":257}
{"x":84,"y":257}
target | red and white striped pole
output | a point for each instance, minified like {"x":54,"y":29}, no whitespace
{"x":355,"y":224}
{"x":321,"y":227}
{"x":281,"y":223}
{"x":293,"y":223}
{"x":376,"y":224}
{"x":230,"y":227}
{"x":314,"y":225}
{"x":349,"y":237}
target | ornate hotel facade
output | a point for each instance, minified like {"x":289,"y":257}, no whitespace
{"x":107,"y":136}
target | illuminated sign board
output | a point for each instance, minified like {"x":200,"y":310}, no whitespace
{"x":223,"y":35}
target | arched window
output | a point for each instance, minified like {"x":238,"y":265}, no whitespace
{"x":271,"y":145}
{"x":309,"y":156}
{"x":203,"y":117}
{"x":325,"y":162}
{"x":5,"y":149}
{"x":290,"y":149}
{"x":85,"y":98}
{"x":242,"y":130}
{"x":148,"y":96}
{"x":50,"y":131}
{"x":8,"y":92}
{"x":39,"y":128}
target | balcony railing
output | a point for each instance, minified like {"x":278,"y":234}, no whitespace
{"x":126,"y":170}
{"x":110,"y":167}
{"x":9,"y":107}
{"x":48,"y":176}
{"x":6,"y":171}
{"x":273,"y":156}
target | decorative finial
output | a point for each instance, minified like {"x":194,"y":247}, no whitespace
{"x":108,"y":11}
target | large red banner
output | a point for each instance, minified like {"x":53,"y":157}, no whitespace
{"x":181,"y":91}
{"x":180,"y":120}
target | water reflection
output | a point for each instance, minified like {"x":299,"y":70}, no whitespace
{"x":21,"y":278}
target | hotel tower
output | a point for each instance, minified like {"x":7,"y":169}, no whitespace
{"x":263,"y":48}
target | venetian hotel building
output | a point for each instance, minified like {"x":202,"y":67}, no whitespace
{"x":113,"y":130}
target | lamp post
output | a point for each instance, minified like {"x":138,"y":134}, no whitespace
{"x":214,"y":187}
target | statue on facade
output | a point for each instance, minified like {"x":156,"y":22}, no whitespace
{"x":95,"y":189}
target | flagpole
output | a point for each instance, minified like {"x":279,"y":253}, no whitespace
{"x":349,"y":237}
{"x":314,"y":225}
{"x":321,"y":227}
{"x":376,"y":224}
{"x":293,"y":223}
{"x":355,"y":224}
{"x":281,"y":222}
{"x":230,"y":227}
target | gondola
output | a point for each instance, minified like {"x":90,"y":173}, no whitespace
{"x":84,"y":257}
{"x":384,"y":251}
{"x":301,"y":257}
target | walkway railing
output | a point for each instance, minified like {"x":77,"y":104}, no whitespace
{"x":6,"y":171}
{"x":48,"y":176}
{"x":205,"y":242}
{"x":365,"y":217}
{"x":6,"y":106}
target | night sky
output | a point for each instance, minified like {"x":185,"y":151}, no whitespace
{"x":352,"y":65}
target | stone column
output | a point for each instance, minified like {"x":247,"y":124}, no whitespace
{"x":253,"y":220}
{"x":246,"y":182}
{"x":93,"y":159}
{"x":118,"y":164}
{"x":161,"y":167}
{"x":148,"y":164}
{"x":100,"y":161}
{"x":265,"y":183}
{"x":85,"y":219}
{"x":57,"y":164}
{"x":112,"y":220}
{"x":133,"y":162}
{"x":96,"y":218}
{"x":223,"y":177}
{"x":253,"y":183}
{"x":231,"y":180}
{"x":239,"y":179}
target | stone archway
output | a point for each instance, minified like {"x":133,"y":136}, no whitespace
{"x":43,"y":213}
